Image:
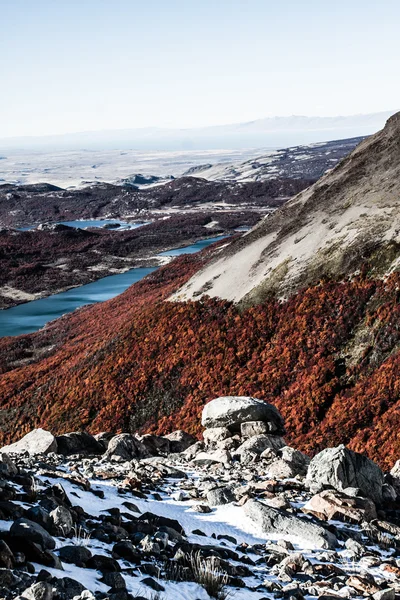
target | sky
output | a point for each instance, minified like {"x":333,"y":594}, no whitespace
{"x":83,"y":65}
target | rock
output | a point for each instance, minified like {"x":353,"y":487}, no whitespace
{"x":296,"y":459}
{"x":386,"y":594}
{"x":256,"y":445}
{"x":219,"y":496}
{"x":76,"y":555}
{"x":209,"y":458}
{"x":7,"y":560}
{"x":62,"y":521}
{"x":231,"y":411}
{"x":250,"y":428}
{"x":41,"y":516}
{"x":271,"y":520}
{"x":364,"y":584}
{"x":68,"y":588}
{"x":155,"y":445}
{"x":114,"y":580}
{"x":39,"y":591}
{"x":179,"y":441}
{"x":24,"y":529}
{"x":193,"y":450}
{"x":123,"y":447}
{"x":201,"y":508}
{"x":38,"y":441}
{"x":280,"y":469}
{"x":329,"y":505}
{"x":354,"y":549}
{"x":7,"y":467}
{"x":78,"y":442}
{"x":126,"y":550}
{"x":103,"y":439}
{"x":216,"y":434}
{"x":103,"y":563}
{"x":150,"y":546}
{"x":395,"y":473}
{"x":340,"y":468}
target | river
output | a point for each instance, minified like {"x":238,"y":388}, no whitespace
{"x":31,"y":316}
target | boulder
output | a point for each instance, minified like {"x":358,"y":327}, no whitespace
{"x":272,"y":520}
{"x":179,"y":441}
{"x":296,"y":459}
{"x":78,"y":442}
{"x":7,"y":467}
{"x":39,"y":591}
{"x":77,"y":555}
{"x":231,"y":411}
{"x":24,"y":529}
{"x":280,"y":469}
{"x":335,"y":505}
{"x":62,"y":521}
{"x":250,"y":428}
{"x":395,"y":473}
{"x":256,"y":446}
{"x":340,"y":468}
{"x":124,"y":447}
{"x":155,"y":445}
{"x":209,"y":458}
{"x":220,"y":496}
{"x":213,"y":435}
{"x":103,"y":439}
{"x":38,"y":441}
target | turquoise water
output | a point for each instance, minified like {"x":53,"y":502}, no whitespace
{"x":31,"y":316}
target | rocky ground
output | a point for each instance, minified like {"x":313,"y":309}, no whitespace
{"x":236,"y":515}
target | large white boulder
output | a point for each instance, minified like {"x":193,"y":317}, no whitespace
{"x":231,"y":411}
{"x":37,"y":441}
{"x":341,"y":468}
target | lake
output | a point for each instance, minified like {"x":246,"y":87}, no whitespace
{"x":31,"y":316}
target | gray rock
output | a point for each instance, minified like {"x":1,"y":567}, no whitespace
{"x":78,"y":442}
{"x":209,"y":458}
{"x":258,"y":443}
{"x":38,"y":441}
{"x":77,"y":555}
{"x":62,"y":521}
{"x":280,"y":469}
{"x":180,"y":441}
{"x":231,"y":411}
{"x":220,"y":496}
{"x":39,"y":591}
{"x":216,"y":434}
{"x":123,"y":447}
{"x":296,"y":459}
{"x":395,"y":473}
{"x":24,"y":529}
{"x":250,"y":428}
{"x":340,"y":468}
{"x":272,"y":520}
{"x":155,"y":445}
{"x":7,"y":467}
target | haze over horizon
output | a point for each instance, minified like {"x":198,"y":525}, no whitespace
{"x":102,"y":66}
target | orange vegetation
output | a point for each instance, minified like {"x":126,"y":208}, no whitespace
{"x":327,"y":359}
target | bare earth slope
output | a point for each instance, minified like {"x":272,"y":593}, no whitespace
{"x":349,"y":215}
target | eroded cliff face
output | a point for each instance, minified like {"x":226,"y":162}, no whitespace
{"x":349,"y":217}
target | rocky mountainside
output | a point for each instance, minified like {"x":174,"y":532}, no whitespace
{"x":238,"y":514}
{"x":310,"y":161}
{"x":327,"y":357}
{"x":349,"y":219}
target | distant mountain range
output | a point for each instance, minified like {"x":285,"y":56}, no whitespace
{"x":272,"y":132}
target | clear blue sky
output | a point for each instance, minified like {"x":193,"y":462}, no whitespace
{"x":73,"y":65}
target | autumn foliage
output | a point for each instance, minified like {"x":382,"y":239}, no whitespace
{"x":327,"y":358}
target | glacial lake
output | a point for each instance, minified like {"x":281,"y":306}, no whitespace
{"x":31,"y":316}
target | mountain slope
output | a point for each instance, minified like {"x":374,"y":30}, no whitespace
{"x":310,"y":161}
{"x":350,"y":215}
{"x":328,"y":356}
